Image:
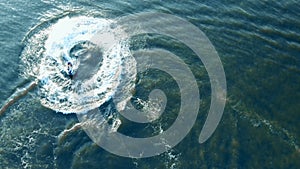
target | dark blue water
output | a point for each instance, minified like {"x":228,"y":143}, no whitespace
{"x":258,"y":43}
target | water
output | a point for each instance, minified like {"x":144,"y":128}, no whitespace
{"x":94,"y":78}
{"x":258,"y":43}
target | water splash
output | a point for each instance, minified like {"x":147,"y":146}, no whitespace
{"x":77,"y":73}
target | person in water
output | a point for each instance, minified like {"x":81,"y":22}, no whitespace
{"x":70,"y":70}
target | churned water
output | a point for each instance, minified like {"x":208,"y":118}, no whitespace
{"x":258,"y":43}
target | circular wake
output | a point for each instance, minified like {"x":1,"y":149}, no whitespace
{"x":77,"y":72}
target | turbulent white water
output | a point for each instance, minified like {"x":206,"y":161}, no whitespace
{"x":101,"y":61}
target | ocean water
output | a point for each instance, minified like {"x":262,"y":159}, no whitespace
{"x":258,"y":43}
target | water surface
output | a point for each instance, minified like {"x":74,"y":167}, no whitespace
{"x":258,"y":43}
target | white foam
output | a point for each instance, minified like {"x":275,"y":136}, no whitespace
{"x":58,"y":91}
